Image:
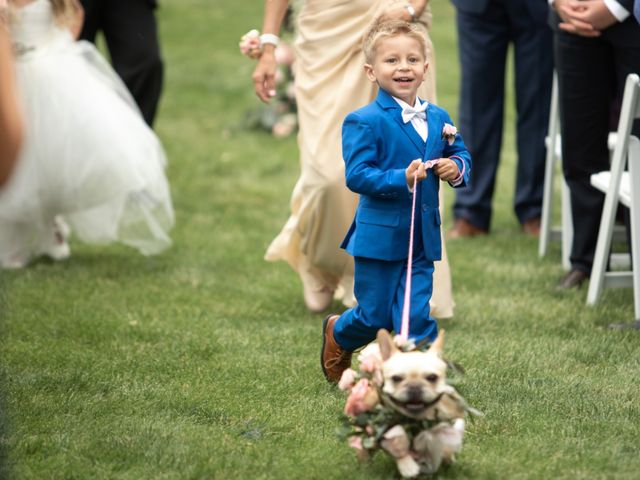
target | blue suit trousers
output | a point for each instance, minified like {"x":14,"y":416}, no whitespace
{"x":379,"y":288}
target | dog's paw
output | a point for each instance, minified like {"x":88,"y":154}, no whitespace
{"x":408,"y":467}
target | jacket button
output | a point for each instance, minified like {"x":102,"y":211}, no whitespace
{"x":424,"y":208}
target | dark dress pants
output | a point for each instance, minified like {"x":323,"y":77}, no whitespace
{"x":131,"y":34}
{"x":483,"y":41}
{"x":591,"y":77}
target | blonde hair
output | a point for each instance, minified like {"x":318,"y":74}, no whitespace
{"x":381,"y":29}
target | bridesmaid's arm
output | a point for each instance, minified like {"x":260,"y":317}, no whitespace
{"x":11,"y":130}
{"x":76,"y":19}
{"x":265,"y":72}
{"x":402,"y":12}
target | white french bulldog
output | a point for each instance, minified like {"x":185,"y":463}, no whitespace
{"x":415,"y":386}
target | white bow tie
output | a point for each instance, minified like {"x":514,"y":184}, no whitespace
{"x":409,"y":112}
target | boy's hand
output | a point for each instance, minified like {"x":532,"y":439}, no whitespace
{"x":416,"y":166}
{"x":446,"y":169}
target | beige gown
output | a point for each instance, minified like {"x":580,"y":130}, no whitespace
{"x":330,"y":83}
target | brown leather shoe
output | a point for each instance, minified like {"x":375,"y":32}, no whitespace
{"x":463,"y":228}
{"x":333,"y":358}
{"x":532,"y":227}
{"x":574,"y":279}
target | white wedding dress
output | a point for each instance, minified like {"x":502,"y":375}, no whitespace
{"x":89,"y":161}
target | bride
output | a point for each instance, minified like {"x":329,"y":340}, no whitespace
{"x":89,"y":164}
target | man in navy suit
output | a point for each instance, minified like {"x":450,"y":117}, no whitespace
{"x":384,"y":144}
{"x":596,"y":45}
{"x":486,"y":28}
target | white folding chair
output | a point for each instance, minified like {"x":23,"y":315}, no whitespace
{"x":564,"y":232}
{"x":624,"y":187}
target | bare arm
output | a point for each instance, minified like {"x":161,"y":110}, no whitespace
{"x":265,"y":72}
{"x":76,"y":19}
{"x":10,"y":119}
{"x":402,"y":13}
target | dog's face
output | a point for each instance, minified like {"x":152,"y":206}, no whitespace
{"x":413,"y":381}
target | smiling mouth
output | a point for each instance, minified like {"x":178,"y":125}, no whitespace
{"x":403,"y":80}
{"x":414,"y":407}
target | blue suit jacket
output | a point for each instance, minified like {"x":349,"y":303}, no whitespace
{"x":377,"y":147}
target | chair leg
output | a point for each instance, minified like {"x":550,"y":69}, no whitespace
{"x":552,"y":144}
{"x":634,"y":210}
{"x":547,"y":201}
{"x":567,"y":226}
{"x":601,"y":257}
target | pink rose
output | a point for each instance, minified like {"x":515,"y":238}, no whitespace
{"x":347,"y":380}
{"x":285,"y":126}
{"x":396,"y":442}
{"x":284,"y":54}
{"x":450,"y":435}
{"x":250,"y":44}
{"x":291,"y":91}
{"x":361,"y":399}
{"x":355,"y":442}
{"x":370,"y":358}
{"x":449,"y":133}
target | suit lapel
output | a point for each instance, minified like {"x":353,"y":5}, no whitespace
{"x":434,"y":135}
{"x":410,"y":131}
{"x":392,"y":108}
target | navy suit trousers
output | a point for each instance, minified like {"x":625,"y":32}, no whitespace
{"x":483,"y":40}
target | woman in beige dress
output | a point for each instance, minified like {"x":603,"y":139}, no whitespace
{"x":330,"y":82}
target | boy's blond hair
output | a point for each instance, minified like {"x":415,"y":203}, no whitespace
{"x":380,"y":29}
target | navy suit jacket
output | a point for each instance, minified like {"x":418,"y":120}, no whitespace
{"x":538,"y":9}
{"x":377,"y":147}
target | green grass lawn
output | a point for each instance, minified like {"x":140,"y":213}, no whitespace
{"x":203,"y":362}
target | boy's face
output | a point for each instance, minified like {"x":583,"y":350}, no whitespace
{"x":399,"y":66}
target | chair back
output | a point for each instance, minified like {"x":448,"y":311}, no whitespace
{"x":628,"y":113}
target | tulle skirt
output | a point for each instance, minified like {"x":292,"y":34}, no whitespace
{"x":88,"y":158}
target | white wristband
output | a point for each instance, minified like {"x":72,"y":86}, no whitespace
{"x":412,"y":12}
{"x":269,"y":38}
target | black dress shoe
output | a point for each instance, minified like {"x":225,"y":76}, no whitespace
{"x":625,"y":326}
{"x":574,"y":279}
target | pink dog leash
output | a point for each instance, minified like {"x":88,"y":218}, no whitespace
{"x":404,"y":331}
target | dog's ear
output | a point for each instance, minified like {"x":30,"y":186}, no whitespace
{"x":436,"y":346}
{"x":385,"y":342}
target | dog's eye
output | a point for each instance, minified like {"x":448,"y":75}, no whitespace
{"x":433,"y":378}
{"x":397,"y":378}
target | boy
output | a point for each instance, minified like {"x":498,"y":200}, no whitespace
{"x":379,"y":142}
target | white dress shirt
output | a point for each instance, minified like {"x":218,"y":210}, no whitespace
{"x":419,"y":124}
{"x":616,"y":9}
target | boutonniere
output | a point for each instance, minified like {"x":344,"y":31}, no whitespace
{"x":250,"y":44}
{"x":449,"y":133}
